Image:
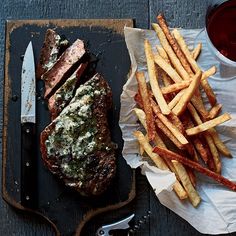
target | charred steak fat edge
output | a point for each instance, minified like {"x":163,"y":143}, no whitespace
{"x":77,"y":145}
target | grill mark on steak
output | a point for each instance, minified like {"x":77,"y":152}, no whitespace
{"x":57,"y":75}
{"x":90,"y":173}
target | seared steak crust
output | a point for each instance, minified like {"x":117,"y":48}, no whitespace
{"x":65,"y":93}
{"x":57,"y":75}
{"x":50,"y":52}
{"x":77,"y":145}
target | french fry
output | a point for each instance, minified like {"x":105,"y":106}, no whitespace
{"x":167,"y":68}
{"x":209,"y":72}
{"x":201,"y":149}
{"x":177,"y":122}
{"x":141,"y":150}
{"x":179,"y":85}
{"x":148,"y":149}
{"x":173,"y":58}
{"x":208,"y":124}
{"x":213,"y":141}
{"x":138,"y":100}
{"x":185,"y":180}
{"x":215,"y":110}
{"x":176,"y":99}
{"x":207,"y":88}
{"x":167,"y":132}
{"x":209,"y":92}
{"x":188,"y":55}
{"x":194,"y":165}
{"x":214,"y":153}
{"x":209,"y":140}
{"x":196,"y":51}
{"x":163,"y":53}
{"x":185,"y":50}
{"x":198,"y":103}
{"x":189,"y":147}
{"x":159,"y":162}
{"x":196,"y":100}
{"x":154,"y":80}
{"x":189,"y":124}
{"x":146,"y":104}
{"x":192,"y":152}
{"x":191,"y":175}
{"x":178,"y":135}
{"x":179,"y":113}
{"x":174,"y":45}
{"x":176,"y":87}
{"x":142,"y":118}
{"x":194,"y":114}
{"x":188,"y":94}
{"x":166,"y":79}
{"x":159,"y":142}
{"x":211,"y":163}
{"x":219,"y":144}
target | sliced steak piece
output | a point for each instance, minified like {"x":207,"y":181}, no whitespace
{"x":52,"y":47}
{"x":77,"y":145}
{"x":57,"y":75}
{"x":65,"y":93}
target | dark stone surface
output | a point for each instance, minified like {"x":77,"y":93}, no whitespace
{"x":181,"y":13}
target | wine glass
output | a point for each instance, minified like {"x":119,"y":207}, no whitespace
{"x":219,"y":35}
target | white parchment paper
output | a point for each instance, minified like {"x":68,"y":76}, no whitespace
{"x":216,"y":213}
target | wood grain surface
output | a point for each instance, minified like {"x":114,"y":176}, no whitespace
{"x":181,"y":13}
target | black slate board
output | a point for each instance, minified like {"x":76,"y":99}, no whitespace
{"x":65,"y":209}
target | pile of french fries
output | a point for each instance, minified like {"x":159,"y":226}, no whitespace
{"x":180,"y":134}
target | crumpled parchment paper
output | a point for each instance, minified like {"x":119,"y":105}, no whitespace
{"x":216,"y":213}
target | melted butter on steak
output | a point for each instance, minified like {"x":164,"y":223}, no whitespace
{"x":80,"y":144}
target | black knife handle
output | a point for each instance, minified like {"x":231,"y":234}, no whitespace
{"x":28,"y":166}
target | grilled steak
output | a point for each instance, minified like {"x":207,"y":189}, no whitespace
{"x":65,"y":93}
{"x":52,"y":46}
{"x":77,"y":145}
{"x":57,"y":75}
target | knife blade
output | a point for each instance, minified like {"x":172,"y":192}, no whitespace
{"x":28,"y":134}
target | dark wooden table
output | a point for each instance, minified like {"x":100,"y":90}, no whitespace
{"x":179,"y":13}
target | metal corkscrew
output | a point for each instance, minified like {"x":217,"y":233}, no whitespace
{"x":105,"y":230}
{"x":144,"y":220}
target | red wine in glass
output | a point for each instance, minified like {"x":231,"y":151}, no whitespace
{"x":221,"y":30}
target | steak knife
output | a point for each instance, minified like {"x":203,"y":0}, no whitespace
{"x":28,"y":125}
